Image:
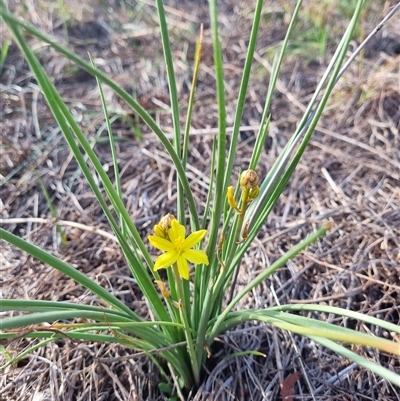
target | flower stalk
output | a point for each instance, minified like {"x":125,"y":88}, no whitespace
{"x":185,"y":322}
{"x":249,"y":185}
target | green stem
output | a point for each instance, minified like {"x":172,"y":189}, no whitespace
{"x":232,"y":252}
{"x":203,"y":324}
{"x":184,"y":317}
{"x":220,"y":139}
{"x":214,"y":295}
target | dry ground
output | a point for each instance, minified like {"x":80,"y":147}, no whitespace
{"x":350,"y":176}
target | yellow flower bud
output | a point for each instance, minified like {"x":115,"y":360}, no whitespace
{"x":161,"y":229}
{"x":158,"y":231}
{"x":249,"y":179}
{"x":231,"y":199}
{"x":166,"y":221}
{"x":254,"y":192}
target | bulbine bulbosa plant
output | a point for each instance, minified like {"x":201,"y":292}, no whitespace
{"x":195,"y":298}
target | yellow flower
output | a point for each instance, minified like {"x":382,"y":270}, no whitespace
{"x":178,"y":249}
{"x":161,"y":229}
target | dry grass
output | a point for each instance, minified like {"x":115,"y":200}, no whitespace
{"x":350,"y":175}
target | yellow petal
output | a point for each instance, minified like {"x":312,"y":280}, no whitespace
{"x":165,"y":260}
{"x":177,"y":230}
{"x":195,"y":256}
{"x":183,"y":267}
{"x":161,"y":243}
{"x":193,"y":239}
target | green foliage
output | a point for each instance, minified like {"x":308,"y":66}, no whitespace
{"x":193,"y":314}
{"x":320,"y":24}
{"x":3,"y":54}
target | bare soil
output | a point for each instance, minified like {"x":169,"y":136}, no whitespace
{"x":350,"y":176}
